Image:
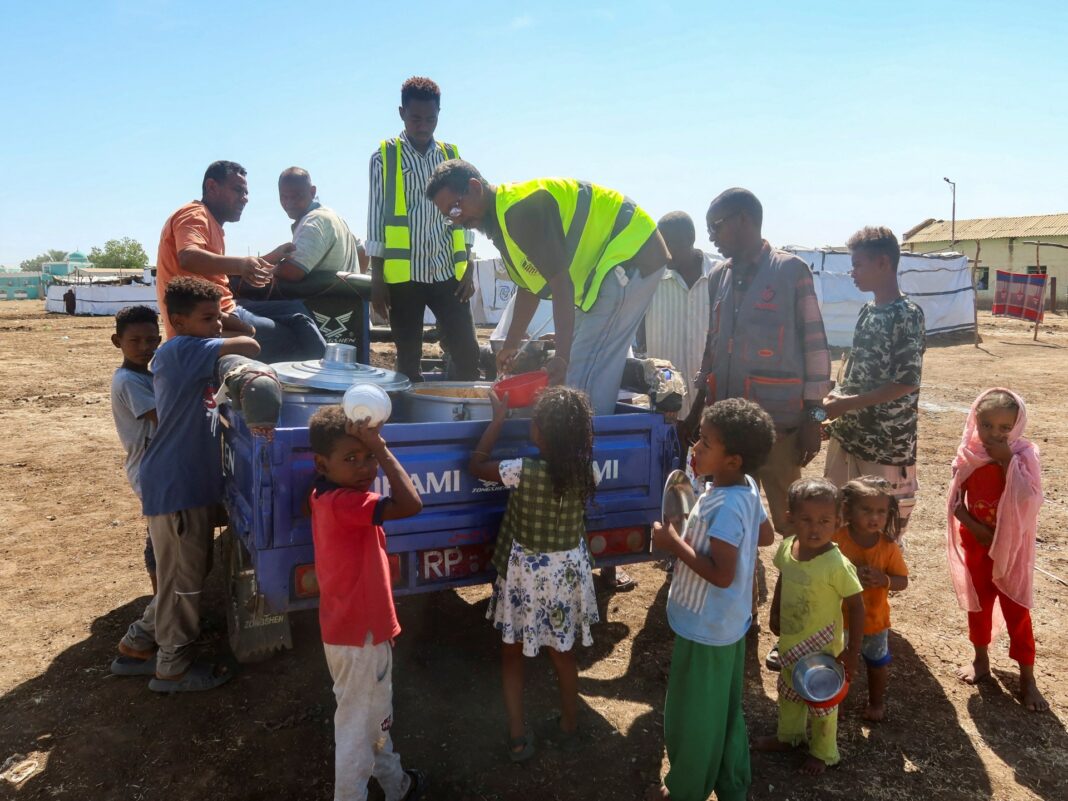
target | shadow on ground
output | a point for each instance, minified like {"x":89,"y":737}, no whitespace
{"x":1039,"y":760}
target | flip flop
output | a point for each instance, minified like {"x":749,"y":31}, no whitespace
{"x":623,"y":582}
{"x":201,"y":676}
{"x":132,"y":666}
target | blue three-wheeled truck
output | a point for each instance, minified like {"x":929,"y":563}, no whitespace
{"x":269,"y":552}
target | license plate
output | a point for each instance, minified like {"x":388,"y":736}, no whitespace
{"x":442,"y":564}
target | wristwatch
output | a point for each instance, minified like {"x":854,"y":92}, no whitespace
{"x":816,"y":414}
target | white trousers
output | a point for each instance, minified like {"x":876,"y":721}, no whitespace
{"x":363,"y":687}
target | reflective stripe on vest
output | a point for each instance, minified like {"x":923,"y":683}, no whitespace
{"x":397,"y":267}
{"x":602,"y":229}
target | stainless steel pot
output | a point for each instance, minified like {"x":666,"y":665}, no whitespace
{"x":438,"y":402}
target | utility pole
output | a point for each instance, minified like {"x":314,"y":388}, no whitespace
{"x":953,"y":218}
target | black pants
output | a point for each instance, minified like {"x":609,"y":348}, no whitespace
{"x":406,"y":304}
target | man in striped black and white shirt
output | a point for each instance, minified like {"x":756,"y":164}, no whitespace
{"x":676,"y":322}
{"x":417,"y":259}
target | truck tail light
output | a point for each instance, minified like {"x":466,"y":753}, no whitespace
{"x":306,"y":584}
{"x":617,"y":541}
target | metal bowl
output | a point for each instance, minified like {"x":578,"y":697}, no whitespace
{"x":819,"y":678}
{"x":678,"y":499}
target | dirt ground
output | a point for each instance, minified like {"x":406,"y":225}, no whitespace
{"x":71,"y":579}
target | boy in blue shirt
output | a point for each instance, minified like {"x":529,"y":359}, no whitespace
{"x":710,"y":606}
{"x":181,"y":488}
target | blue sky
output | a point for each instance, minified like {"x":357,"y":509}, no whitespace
{"x":836,"y":114}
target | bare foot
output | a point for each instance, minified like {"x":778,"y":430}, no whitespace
{"x":769,"y":742}
{"x":812,"y":766}
{"x":976,"y":671}
{"x":1030,"y":697}
{"x":875,"y":712}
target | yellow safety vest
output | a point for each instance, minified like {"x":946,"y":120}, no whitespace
{"x":602,"y":229}
{"x":397,"y":268}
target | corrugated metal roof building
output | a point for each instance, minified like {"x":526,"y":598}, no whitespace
{"x":1000,"y":243}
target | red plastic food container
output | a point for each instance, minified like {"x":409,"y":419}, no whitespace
{"x":522,"y":389}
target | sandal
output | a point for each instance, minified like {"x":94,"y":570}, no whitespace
{"x":772,"y":661}
{"x":123,"y":665}
{"x":200,"y":676}
{"x":567,"y":741}
{"x":527,"y":741}
{"x":417,"y":785}
{"x":620,"y":580}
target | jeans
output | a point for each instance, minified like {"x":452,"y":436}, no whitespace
{"x":284,"y":329}
{"x":406,"y":304}
{"x":604,"y":334}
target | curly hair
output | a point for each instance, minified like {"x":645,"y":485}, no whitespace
{"x":811,"y":489}
{"x":565,"y":422}
{"x":872,"y":487}
{"x":453,"y":174}
{"x":745,"y":430}
{"x":184,"y":293}
{"x":131,"y":315}
{"x":876,"y":240}
{"x":325,"y":428}
{"x":419,"y":88}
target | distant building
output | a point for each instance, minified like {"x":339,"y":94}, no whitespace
{"x":1003,"y":243}
{"x":20,"y":286}
{"x":75,"y":261}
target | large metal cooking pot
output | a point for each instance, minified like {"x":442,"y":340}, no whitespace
{"x":447,"y":401}
{"x":337,"y":371}
{"x":317,"y":382}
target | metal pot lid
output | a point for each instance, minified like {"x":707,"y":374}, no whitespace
{"x":337,"y":371}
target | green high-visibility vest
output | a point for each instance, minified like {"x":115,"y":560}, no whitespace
{"x":397,"y":267}
{"x":602,"y":229}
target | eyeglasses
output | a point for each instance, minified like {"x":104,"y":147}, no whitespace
{"x":714,"y":226}
{"x":454,"y":213}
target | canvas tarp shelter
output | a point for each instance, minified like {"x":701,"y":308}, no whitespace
{"x":491,"y":302}
{"x":940,"y":284}
{"x":100,"y":299}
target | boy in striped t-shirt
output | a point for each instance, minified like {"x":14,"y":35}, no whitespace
{"x":710,"y":605}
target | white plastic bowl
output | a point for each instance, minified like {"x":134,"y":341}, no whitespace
{"x":364,"y":401}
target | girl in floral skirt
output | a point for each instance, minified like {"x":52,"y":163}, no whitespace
{"x":544,"y":591}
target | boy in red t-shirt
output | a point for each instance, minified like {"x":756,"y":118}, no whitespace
{"x":356,"y":611}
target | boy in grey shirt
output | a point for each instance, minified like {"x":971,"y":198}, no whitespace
{"x":133,"y":403}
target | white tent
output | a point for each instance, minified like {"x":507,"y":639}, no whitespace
{"x":940,"y":284}
{"x":100,"y":299}
{"x":491,"y":302}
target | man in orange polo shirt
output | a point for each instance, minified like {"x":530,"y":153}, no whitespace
{"x":193,"y":244}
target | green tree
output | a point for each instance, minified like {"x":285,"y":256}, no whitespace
{"x":34,"y":265}
{"x":120,"y":254}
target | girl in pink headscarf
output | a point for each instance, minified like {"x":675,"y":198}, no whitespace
{"x":994,"y":500}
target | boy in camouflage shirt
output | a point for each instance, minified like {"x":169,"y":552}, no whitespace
{"x":873,"y":411}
